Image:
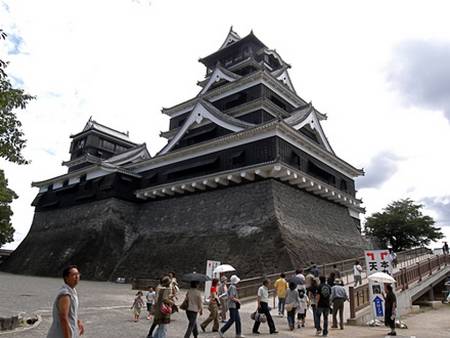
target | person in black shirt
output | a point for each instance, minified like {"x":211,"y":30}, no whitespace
{"x":312,"y":294}
{"x":323,"y":304}
{"x":390,"y":308}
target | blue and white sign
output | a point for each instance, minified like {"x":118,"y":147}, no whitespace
{"x":379,"y":311}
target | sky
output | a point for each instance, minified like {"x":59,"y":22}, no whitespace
{"x":379,"y":70}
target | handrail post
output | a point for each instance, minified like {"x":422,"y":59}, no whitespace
{"x":439,"y":262}
{"x":418,"y":271}
{"x":429,"y":267}
{"x":351,"y":291}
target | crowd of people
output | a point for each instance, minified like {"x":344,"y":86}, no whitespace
{"x":305,"y":292}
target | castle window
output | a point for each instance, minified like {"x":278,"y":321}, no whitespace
{"x":295,"y":159}
{"x":107,"y":145}
{"x":80,"y":144}
{"x":343,"y":186}
{"x":238,"y":158}
{"x":321,"y":174}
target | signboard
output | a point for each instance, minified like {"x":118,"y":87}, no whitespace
{"x":210,"y":266}
{"x":377,"y":261}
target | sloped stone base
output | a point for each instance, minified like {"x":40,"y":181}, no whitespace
{"x":258,"y":227}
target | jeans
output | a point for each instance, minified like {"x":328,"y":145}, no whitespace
{"x":281,"y":302}
{"x":192,"y":326}
{"x":325,"y":311}
{"x":316,"y":322}
{"x":264,"y":308}
{"x":234,"y":318}
{"x":358,"y":279}
{"x":291,"y":318}
{"x":161,"y":331}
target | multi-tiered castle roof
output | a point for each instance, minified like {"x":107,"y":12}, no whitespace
{"x":246,"y":123}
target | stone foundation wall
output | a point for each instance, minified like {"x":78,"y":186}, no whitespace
{"x":259,"y":227}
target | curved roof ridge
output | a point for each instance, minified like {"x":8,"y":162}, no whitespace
{"x":300,"y":114}
{"x":231,"y":38}
{"x":227,"y":118}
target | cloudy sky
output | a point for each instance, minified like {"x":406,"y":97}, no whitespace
{"x":379,"y":70}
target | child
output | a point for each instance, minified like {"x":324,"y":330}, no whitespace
{"x":301,"y":311}
{"x":150,"y":296}
{"x":138,"y":304}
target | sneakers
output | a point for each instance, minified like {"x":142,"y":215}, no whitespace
{"x":274,"y":332}
{"x":240,"y":336}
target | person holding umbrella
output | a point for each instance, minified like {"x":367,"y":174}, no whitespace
{"x":234,"y":304}
{"x":390,"y":304}
{"x":213,"y":308}
{"x":193,"y":301}
{"x":223,"y":297}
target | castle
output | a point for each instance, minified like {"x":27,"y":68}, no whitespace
{"x":247,"y":177}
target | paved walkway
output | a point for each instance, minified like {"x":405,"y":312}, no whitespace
{"x":104,"y":307}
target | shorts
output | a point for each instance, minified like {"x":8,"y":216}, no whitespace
{"x":149,"y":307}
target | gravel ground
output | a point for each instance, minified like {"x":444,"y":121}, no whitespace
{"x":104,"y":308}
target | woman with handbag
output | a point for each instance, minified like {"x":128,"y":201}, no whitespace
{"x":194,"y":307}
{"x":163,"y":308}
{"x":213,"y":308}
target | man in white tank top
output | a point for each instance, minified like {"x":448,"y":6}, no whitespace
{"x":65,"y":308}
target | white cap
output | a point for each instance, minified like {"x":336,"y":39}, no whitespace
{"x":234,"y":279}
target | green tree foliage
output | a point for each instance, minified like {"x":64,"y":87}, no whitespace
{"x":11,"y":143}
{"x":403,"y":225}
{"x":6,"y":197}
{"x":11,"y":135}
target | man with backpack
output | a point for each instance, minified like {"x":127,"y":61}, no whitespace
{"x":323,"y":305}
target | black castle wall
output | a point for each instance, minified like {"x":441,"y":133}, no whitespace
{"x":259,"y":227}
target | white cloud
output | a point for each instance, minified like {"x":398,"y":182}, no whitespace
{"x":121,"y":61}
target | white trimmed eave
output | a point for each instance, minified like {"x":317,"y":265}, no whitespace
{"x":279,"y":171}
{"x":286,"y":79}
{"x":260,"y":77}
{"x":248,"y":107}
{"x":314,"y":123}
{"x":216,"y":76}
{"x":197,"y":115}
{"x":91,"y":172}
{"x":232,"y":37}
{"x":269,"y":129}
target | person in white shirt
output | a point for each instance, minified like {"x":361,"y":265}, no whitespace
{"x":357,"y":269}
{"x":263,"y":307}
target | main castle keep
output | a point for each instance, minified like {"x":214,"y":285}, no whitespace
{"x":247,"y":177}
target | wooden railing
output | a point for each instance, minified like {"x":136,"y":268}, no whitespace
{"x":249,"y":286}
{"x":359,"y":297}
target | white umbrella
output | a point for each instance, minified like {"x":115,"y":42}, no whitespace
{"x":381,"y":277}
{"x":224,"y":268}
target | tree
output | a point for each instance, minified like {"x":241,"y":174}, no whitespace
{"x":11,"y":135}
{"x":11,"y":143}
{"x":403,"y":225}
{"x":6,"y":197}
